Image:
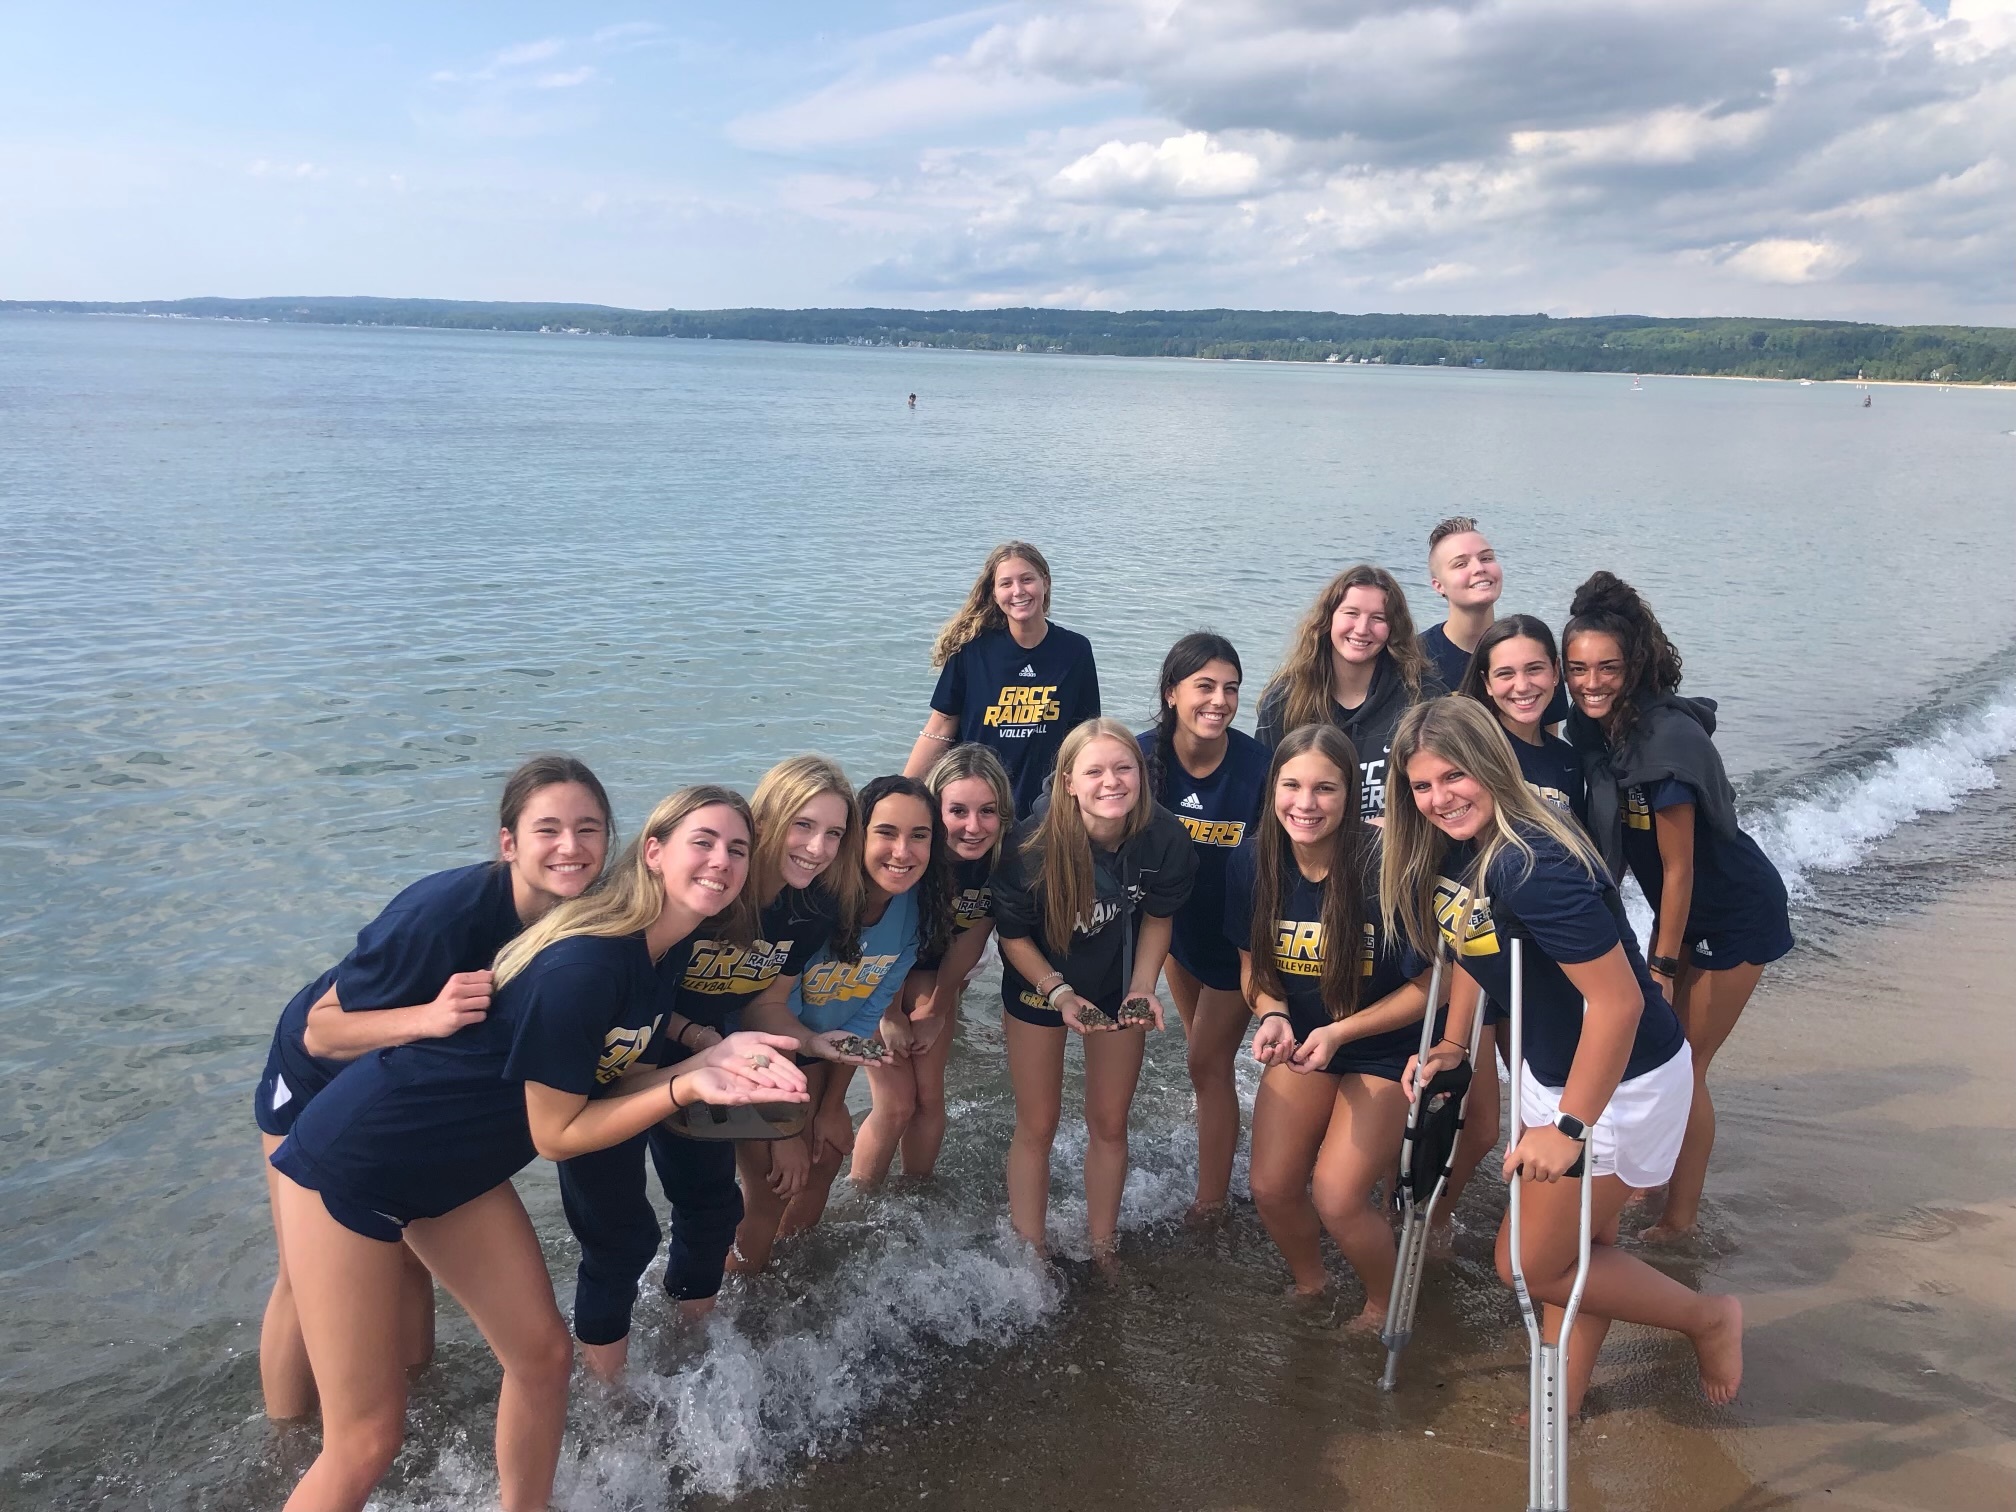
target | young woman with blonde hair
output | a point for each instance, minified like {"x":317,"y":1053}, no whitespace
{"x":420,"y":1141}
{"x":805,"y":882}
{"x":1338,"y":1006}
{"x":420,"y":970}
{"x":977,"y":809}
{"x":1473,"y":856}
{"x":1010,"y":679}
{"x":905,"y":875}
{"x":1354,"y":662}
{"x":1082,"y":904}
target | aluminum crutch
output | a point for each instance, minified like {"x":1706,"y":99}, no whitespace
{"x":1417,"y":1217}
{"x":1547,"y":1377}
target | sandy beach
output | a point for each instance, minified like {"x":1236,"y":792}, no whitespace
{"x":1863,"y":1204}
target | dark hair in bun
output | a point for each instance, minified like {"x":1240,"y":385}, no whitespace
{"x":1610,"y":606}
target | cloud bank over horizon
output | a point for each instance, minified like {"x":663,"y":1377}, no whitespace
{"x":1849,"y":159}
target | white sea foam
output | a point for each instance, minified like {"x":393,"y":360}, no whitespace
{"x":1834,"y":827}
{"x":752,"y":1402}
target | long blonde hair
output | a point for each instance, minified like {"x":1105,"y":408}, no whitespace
{"x":630,"y":895}
{"x":974,"y":760}
{"x":1061,"y":849}
{"x":1305,"y":675}
{"x":980,"y":612}
{"x":785,"y":789}
{"x":1468,"y":736}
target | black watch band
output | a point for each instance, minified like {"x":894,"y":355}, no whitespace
{"x":1572,"y":1126}
{"x":1666,"y":966}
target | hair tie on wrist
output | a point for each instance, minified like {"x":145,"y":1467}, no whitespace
{"x":1277,"y":1014}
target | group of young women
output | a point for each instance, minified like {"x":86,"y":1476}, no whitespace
{"x":706,"y":1000}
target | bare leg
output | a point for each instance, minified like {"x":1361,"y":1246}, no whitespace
{"x":762,"y":1209}
{"x":1620,"y":1285}
{"x":1709,"y":1003}
{"x":1112,"y":1071}
{"x":346,"y":1290}
{"x":1480,"y":1125}
{"x":284,"y":1377}
{"x":1036,"y":1072}
{"x":1214,"y":1025}
{"x":416,"y":1316}
{"x":925,"y":1136}
{"x":806,"y":1209}
{"x":1290,"y":1116}
{"x":1368,"y":1118}
{"x":894,"y":1090}
{"x":488,"y":1257}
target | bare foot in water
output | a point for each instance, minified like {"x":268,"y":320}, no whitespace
{"x":606,"y":1362}
{"x":1442,"y":1239}
{"x":1663,"y":1232}
{"x":1204,"y":1215}
{"x":1299,"y":1293}
{"x":1720,"y":1348}
{"x":1370,"y":1320}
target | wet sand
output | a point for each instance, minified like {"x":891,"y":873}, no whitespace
{"x":1863,"y":1204}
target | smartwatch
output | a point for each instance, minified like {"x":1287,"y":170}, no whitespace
{"x":1572,"y":1126}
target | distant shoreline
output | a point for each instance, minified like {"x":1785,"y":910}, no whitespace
{"x":1759,"y":350}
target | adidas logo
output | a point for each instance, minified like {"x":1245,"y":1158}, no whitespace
{"x":1191,"y":802}
{"x":1026,"y":672}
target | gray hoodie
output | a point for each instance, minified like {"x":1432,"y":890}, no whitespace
{"x":1672,"y":739}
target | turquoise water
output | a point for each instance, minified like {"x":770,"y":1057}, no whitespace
{"x":283,"y":603}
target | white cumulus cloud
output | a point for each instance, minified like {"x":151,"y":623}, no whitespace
{"x":1190,"y":166}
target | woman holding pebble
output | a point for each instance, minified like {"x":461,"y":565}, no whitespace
{"x":1338,"y":1008}
{"x":1082,"y":905}
{"x":977,"y":809}
{"x":853,"y":1013}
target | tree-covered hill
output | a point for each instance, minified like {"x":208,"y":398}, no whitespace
{"x":1610,"y":344}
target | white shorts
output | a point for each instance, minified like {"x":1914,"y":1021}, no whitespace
{"x":1638,"y":1137}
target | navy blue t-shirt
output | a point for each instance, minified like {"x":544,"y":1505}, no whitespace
{"x":1218,"y":811}
{"x":1553,"y":769}
{"x":417,"y":1130}
{"x":1150,"y":873}
{"x":1452,"y":661}
{"x":1299,"y":946}
{"x":722,"y":979}
{"x":1567,"y":917}
{"x":972,"y":893}
{"x":448,"y":922}
{"x":1737,"y":891}
{"x":1020,"y":703}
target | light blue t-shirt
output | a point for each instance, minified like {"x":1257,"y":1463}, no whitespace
{"x":834,"y":995}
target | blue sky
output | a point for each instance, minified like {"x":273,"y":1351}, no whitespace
{"x":1847,"y":158}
